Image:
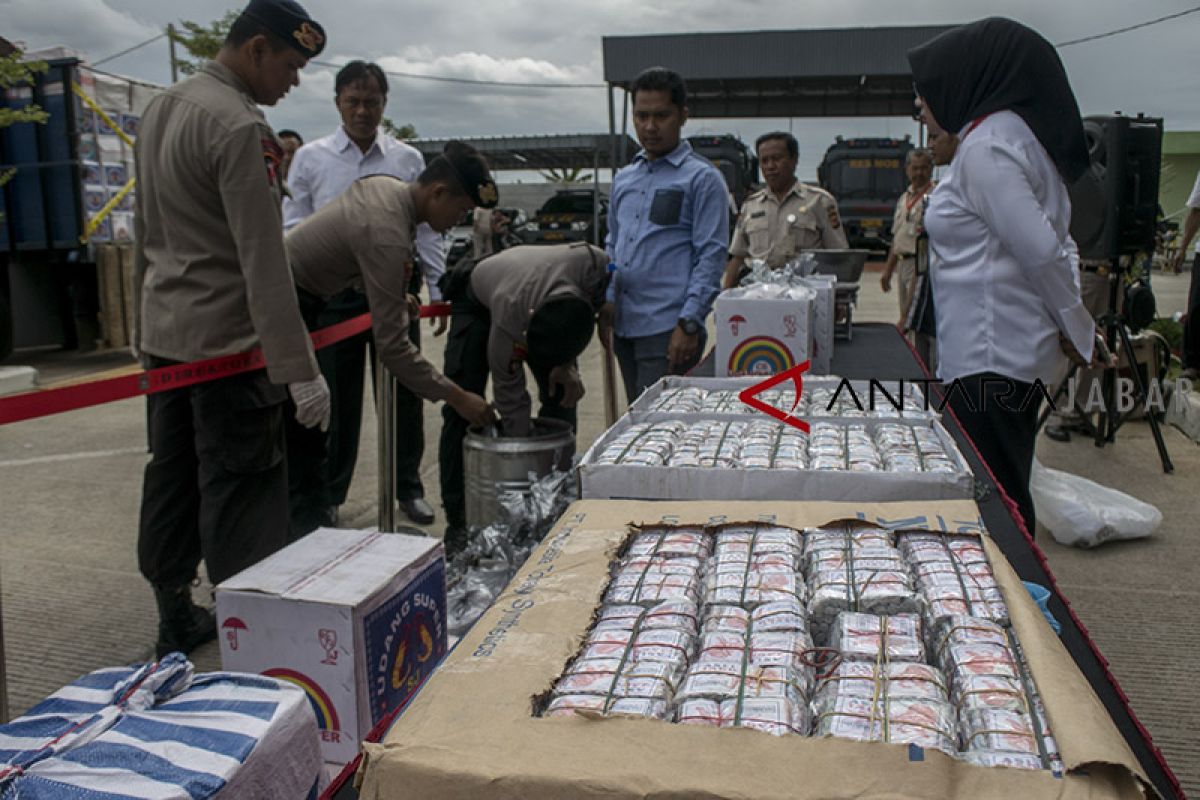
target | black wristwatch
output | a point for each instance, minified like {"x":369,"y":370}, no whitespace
{"x":689,"y":326}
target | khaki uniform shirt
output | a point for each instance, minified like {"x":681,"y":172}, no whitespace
{"x":511,"y":285}
{"x":907,"y":221}
{"x":364,"y":240}
{"x":777,"y":232}
{"x":210,"y":274}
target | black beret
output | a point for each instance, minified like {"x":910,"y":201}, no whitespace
{"x":473,"y":173}
{"x":288,"y":20}
{"x":559,"y":331}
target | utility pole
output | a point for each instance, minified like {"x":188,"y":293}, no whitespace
{"x":174,"y":61}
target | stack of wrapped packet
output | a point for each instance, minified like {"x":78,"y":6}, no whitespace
{"x":953,"y":577}
{"x":833,"y":447}
{"x":648,"y":444}
{"x":710,"y":444}
{"x":768,"y":445}
{"x":854,"y":568}
{"x":1001,"y":721}
{"x":752,"y":667}
{"x":635,"y":655}
{"x":1001,"y":718}
{"x":881,"y":691}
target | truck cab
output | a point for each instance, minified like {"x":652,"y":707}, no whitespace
{"x":866,"y":176}
{"x":736,"y":161}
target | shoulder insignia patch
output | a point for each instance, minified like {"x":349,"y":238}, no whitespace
{"x":273,"y":156}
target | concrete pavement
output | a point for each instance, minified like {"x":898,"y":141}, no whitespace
{"x":73,"y":600}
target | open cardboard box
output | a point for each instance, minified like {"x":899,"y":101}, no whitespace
{"x":471,"y":732}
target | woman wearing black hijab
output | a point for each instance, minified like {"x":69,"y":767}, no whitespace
{"x":1003,"y":265}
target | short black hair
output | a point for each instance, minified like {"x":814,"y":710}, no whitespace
{"x":357,"y":71}
{"x":288,"y":133}
{"x":464,"y":170}
{"x":660,"y":79}
{"x":793,"y":147}
{"x":245,"y":28}
{"x":559,"y":331}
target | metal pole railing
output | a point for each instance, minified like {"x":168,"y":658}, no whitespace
{"x":385,"y":411}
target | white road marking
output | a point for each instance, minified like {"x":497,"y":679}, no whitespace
{"x":24,"y":462}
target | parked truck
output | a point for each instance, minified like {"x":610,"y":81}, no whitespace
{"x":867,"y":178}
{"x":68,"y":207}
{"x":734,"y":159}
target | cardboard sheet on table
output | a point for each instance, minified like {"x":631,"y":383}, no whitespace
{"x":471,"y":732}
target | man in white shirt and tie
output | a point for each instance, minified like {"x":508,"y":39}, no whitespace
{"x":320,"y":171}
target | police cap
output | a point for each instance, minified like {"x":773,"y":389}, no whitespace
{"x":288,"y":20}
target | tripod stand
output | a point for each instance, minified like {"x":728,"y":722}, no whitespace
{"x":1115,"y":330}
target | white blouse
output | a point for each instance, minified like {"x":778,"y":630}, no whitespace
{"x":1004,"y":267}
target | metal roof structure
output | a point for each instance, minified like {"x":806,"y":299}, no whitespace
{"x":583,"y":151}
{"x":836,"y":72}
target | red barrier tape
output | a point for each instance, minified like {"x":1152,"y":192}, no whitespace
{"x":32,"y":405}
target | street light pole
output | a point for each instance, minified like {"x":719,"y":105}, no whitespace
{"x":174,"y":60}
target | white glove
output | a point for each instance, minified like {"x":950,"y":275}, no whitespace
{"x":312,"y":402}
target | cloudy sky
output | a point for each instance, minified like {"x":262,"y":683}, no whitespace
{"x":1153,"y":70}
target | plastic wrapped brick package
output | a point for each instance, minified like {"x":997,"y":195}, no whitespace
{"x":895,"y":679}
{"x":926,"y":723}
{"x":878,"y":639}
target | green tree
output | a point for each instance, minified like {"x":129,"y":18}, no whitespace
{"x":15,"y":73}
{"x":402,"y":132}
{"x":566,"y":175}
{"x":202,"y":42}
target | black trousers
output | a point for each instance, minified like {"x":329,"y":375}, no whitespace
{"x":1003,"y":428}
{"x":216,"y":487}
{"x":344,"y":365}
{"x":467,"y":365}
{"x":1191,"y":328}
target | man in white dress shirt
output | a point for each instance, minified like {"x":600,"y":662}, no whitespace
{"x":320,"y":171}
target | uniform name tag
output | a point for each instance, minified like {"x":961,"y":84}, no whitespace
{"x":758,"y":214}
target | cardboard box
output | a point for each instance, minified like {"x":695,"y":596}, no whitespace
{"x":824,"y":318}
{"x":759,"y":335}
{"x":471,"y":732}
{"x":357,"y":619}
{"x":631,"y":481}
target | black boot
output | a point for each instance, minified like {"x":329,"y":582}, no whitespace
{"x":182,"y":625}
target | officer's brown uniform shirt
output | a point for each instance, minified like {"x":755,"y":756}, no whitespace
{"x":364,"y":239}
{"x":511,"y":285}
{"x":777,"y":232}
{"x":210,"y":274}
{"x":907,"y":220}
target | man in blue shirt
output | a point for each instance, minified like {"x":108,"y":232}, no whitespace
{"x":668,"y":235}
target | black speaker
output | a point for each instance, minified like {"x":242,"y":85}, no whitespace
{"x":1114,"y":205}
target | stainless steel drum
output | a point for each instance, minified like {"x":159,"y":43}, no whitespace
{"x":502,"y":464}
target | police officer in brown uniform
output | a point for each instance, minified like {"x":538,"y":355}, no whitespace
{"x":906,"y":226}
{"x":786,"y":217}
{"x":365,"y":239}
{"x":211,"y":279}
{"x":532,"y":305}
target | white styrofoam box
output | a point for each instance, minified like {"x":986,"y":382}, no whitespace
{"x":355,"y":618}
{"x":761,"y":335}
{"x":634,"y":482}
{"x":824,"y":317}
{"x":642,"y":409}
